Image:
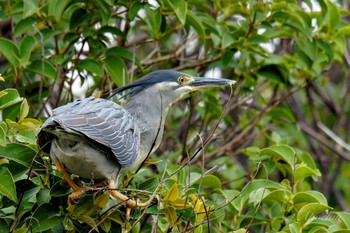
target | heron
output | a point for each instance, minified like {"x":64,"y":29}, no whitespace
{"x":96,"y":138}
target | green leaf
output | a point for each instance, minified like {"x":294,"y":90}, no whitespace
{"x":23,"y":112}
{"x":226,"y":40}
{"x":7,"y":184}
{"x":194,"y":177}
{"x":10,"y":51}
{"x":92,"y":66}
{"x":26,"y":47}
{"x":303,"y":171}
{"x":327,"y":48}
{"x":105,"y":11}
{"x":2,"y":136}
{"x":308,"y":47}
{"x":43,"y":196}
{"x":294,"y":228}
{"x":344,"y":31}
{"x":170,"y":214}
{"x":282,"y":152}
{"x":301,"y":199}
{"x":45,"y":218}
{"x":197,"y":25}
{"x":256,"y":196}
{"x":78,"y":17}
{"x":56,"y":8}
{"x":106,"y":225}
{"x":345,"y":218}
{"x":173,"y":194}
{"x":30,"y":7}
{"x":102,"y":200}
{"x":257,"y":39}
{"x":9,"y":97}
{"x":88,"y":220}
{"x":211,"y":181}
{"x":273,"y":72}
{"x":28,"y":137}
{"x":310,"y":210}
{"x":116,"y":70}
{"x":123,"y":53}
{"x":149,"y":184}
{"x":37,"y":67}
{"x":19,"y":153}
{"x":275,"y":196}
{"x":306,"y":158}
{"x":154,"y":20}
{"x":113,"y":30}
{"x":68,"y":223}
{"x":4,"y":228}
{"x":332,"y":17}
{"x":24,"y":25}
{"x":134,"y":9}
{"x":180,"y":9}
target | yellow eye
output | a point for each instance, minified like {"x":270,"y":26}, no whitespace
{"x":182,"y":79}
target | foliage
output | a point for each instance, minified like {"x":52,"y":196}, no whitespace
{"x":271,"y":154}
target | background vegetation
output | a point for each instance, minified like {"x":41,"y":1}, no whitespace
{"x":269,"y":155}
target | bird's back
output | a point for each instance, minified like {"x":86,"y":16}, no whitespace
{"x":101,"y":123}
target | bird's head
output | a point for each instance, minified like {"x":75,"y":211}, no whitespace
{"x":171,"y":84}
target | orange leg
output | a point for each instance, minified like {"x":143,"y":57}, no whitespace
{"x":129,"y":203}
{"x":77,"y":191}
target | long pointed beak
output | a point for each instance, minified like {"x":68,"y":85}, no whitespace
{"x":199,"y":82}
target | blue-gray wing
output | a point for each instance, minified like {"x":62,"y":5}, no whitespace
{"x":102,"y":121}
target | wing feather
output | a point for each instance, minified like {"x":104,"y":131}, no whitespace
{"x":101,"y":121}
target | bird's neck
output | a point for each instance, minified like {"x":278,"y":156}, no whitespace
{"x":149,"y":110}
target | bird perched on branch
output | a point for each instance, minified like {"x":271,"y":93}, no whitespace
{"x":99,"y":139}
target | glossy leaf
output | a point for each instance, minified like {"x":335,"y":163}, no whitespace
{"x":344,"y":217}
{"x":303,"y":171}
{"x":180,"y":9}
{"x":26,"y":47}
{"x":10,"y":51}
{"x":116,"y":70}
{"x":56,"y":8}
{"x":134,"y":9}
{"x":18,"y":153}
{"x":25,"y":25}
{"x":93,"y":67}
{"x":45,"y":218}
{"x":149,"y":184}
{"x":310,"y":210}
{"x":196,"y":23}
{"x":30,"y":8}
{"x":102,"y":200}
{"x":7,"y":184}
{"x":309,"y":196}
{"x":154,"y":20}
{"x":2,"y":136}
{"x":282,"y":152}
{"x":79,"y":17}
{"x":123,"y":53}
{"x":9,"y":97}
{"x":173,"y":194}
{"x":105,"y":11}
{"x":43,"y":68}
{"x":24,"y":110}
{"x":211,"y":181}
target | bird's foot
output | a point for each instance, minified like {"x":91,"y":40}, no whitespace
{"x":75,"y":196}
{"x":128,"y":202}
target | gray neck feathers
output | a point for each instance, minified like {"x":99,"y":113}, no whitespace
{"x":149,"y":109}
